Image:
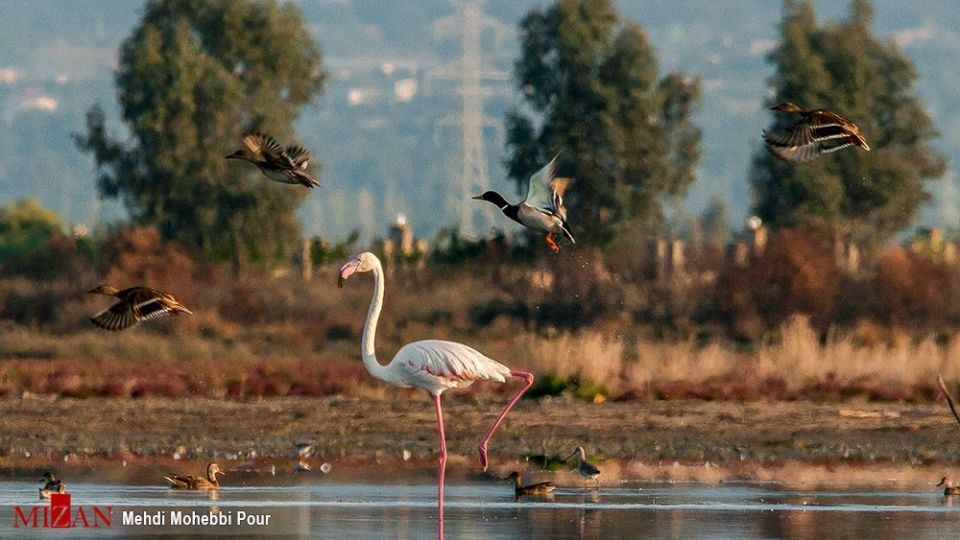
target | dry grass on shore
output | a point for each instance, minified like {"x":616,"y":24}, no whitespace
{"x":590,"y":364}
{"x":796,"y":366}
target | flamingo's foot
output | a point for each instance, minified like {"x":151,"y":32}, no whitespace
{"x":552,"y":243}
{"x":483,"y":456}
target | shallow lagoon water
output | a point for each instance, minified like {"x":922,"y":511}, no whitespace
{"x":488,"y":510}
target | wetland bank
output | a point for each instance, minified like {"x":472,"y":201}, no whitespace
{"x":798,"y":444}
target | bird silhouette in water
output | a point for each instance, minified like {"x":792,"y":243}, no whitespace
{"x":540,"y":489}
{"x":585,"y":469}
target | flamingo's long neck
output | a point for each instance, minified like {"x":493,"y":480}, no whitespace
{"x":367,"y":350}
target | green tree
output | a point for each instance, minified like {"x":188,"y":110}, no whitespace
{"x":191,"y":78}
{"x":26,"y":232}
{"x":591,"y":90}
{"x":843,"y":67}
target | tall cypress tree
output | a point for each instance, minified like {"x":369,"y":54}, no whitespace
{"x":844,"y":67}
{"x":591,"y":89}
{"x":191,"y":78}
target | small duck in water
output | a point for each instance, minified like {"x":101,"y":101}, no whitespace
{"x":193,"y":482}
{"x":540,"y":489}
{"x":53,"y":485}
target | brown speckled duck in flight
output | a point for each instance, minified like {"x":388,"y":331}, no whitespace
{"x":819,"y":132}
{"x":288,"y":166}
{"x":136,"y":304}
{"x":198,"y":483}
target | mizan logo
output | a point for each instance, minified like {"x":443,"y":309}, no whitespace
{"x":61,"y":515}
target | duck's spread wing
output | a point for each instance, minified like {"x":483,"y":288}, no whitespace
{"x":152,"y":308}
{"x":117,"y":317}
{"x":299,"y":155}
{"x":263,"y":146}
{"x":822,"y":133}
{"x":792,"y":144}
{"x":540,"y":186}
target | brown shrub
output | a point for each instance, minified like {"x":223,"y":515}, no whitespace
{"x":796,"y":273}
{"x":912,"y":290}
{"x":138,"y":256}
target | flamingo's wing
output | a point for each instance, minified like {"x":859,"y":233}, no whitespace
{"x":449,"y":360}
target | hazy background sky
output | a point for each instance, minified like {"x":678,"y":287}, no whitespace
{"x":385,"y":126}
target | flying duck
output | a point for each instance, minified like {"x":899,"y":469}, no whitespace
{"x":540,"y":489}
{"x":282,"y":165}
{"x":819,"y":132}
{"x":193,"y":482}
{"x":542,"y":209}
{"x":587,"y":470}
{"x":53,"y":485}
{"x":136,"y":304}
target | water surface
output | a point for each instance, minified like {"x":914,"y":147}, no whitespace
{"x":488,"y":510}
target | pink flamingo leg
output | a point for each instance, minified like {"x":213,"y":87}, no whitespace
{"x":486,"y":439}
{"x":443,"y":460}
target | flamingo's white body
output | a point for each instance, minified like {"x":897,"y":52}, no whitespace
{"x":433,"y":365}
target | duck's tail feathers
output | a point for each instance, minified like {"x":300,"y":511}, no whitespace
{"x":309,"y":181}
{"x":566,"y":232}
{"x":174,"y":483}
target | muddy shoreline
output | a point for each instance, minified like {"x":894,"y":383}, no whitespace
{"x":794,"y":443}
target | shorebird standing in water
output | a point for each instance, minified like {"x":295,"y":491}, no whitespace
{"x":587,"y":470}
{"x":540,"y":489}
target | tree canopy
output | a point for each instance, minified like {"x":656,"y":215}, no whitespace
{"x":842,"y":66}
{"x":192,"y":77}
{"x":591,"y":91}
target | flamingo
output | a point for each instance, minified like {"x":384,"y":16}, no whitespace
{"x":433,"y":365}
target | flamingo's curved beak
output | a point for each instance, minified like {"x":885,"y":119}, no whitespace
{"x":346,"y":270}
{"x":942,"y":481}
